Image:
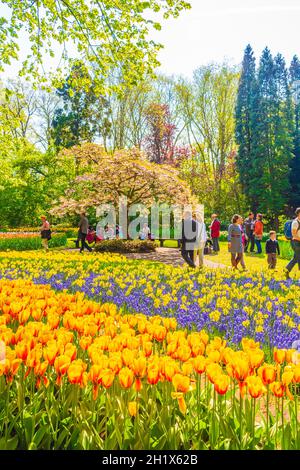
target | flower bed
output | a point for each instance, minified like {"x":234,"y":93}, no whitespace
{"x":68,"y":231}
{"x":28,"y":241}
{"x":75,"y":374}
{"x":125,"y":246}
{"x":261,"y":306}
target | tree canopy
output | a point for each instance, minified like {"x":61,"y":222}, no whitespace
{"x":106,"y":178}
{"x":111,"y":36}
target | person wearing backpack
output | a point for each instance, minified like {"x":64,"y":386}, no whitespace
{"x":292,"y":230}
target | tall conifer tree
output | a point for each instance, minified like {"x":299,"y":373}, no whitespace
{"x":244,"y":124}
{"x":294,"y":199}
{"x":272,"y":128}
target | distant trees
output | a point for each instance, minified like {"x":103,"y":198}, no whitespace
{"x":265,"y":134}
{"x":207,"y":106}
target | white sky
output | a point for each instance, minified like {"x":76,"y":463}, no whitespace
{"x":216,"y":29}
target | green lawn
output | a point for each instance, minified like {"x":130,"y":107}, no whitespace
{"x":253,"y":261}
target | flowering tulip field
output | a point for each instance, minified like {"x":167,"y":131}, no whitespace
{"x":99,"y":352}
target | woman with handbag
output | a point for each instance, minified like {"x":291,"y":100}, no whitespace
{"x":45,"y":233}
{"x":258,"y":232}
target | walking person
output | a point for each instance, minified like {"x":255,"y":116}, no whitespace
{"x":249,"y":231}
{"x":45,"y":233}
{"x":235,"y":243}
{"x":295,"y":242}
{"x":272,"y":248}
{"x":201,"y":239}
{"x":188,"y":238}
{"x":215,"y":232}
{"x":83,"y":231}
{"x":258,"y":232}
{"x":244,"y":243}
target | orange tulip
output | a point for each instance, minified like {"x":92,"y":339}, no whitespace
{"x":279,"y":355}
{"x":198,"y":349}
{"x":139,"y":366}
{"x":212,"y":371}
{"x":221,"y":383}
{"x":267,"y":373}
{"x":159,"y":333}
{"x":213,"y":356}
{"x":107,"y":377}
{"x":22,"y":349}
{"x":187,"y":368}
{"x":255,"y":386}
{"x":85,"y":342}
{"x":181,"y":383}
{"x":240,"y":369}
{"x":184,"y":353}
{"x":126,"y":377}
{"x":249,"y":344}
{"x":70,"y":350}
{"x":153,"y":374}
{"x":40,"y":368}
{"x":277,"y":388}
{"x":127,"y":357}
{"x":256,"y":357}
{"x":204,"y":337}
{"x":287,"y":377}
{"x":24,"y":316}
{"x":61,"y":364}
{"x":296,"y":378}
{"x":50,"y":353}
{"x":95,"y":374}
{"x":76,"y":372}
{"x":199,"y":364}
{"x":181,"y":401}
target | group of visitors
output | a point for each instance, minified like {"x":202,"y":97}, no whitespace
{"x":242,"y":234}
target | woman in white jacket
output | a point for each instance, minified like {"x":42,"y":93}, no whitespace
{"x":201,"y":237}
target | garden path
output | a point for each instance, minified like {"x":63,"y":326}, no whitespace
{"x":170,"y":256}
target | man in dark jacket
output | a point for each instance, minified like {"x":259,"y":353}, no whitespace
{"x":83,"y":231}
{"x":188,"y":239}
{"x":249,"y":231}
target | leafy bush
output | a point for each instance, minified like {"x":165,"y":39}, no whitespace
{"x":126,"y":246}
{"x":20,"y":243}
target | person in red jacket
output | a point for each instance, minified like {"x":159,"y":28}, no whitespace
{"x":215,"y":232}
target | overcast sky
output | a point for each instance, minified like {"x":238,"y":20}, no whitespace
{"x":217,"y":29}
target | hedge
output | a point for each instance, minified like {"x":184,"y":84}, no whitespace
{"x":125,"y":246}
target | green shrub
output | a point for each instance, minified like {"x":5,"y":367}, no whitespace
{"x":125,"y":246}
{"x":31,"y":243}
{"x":224,"y":236}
